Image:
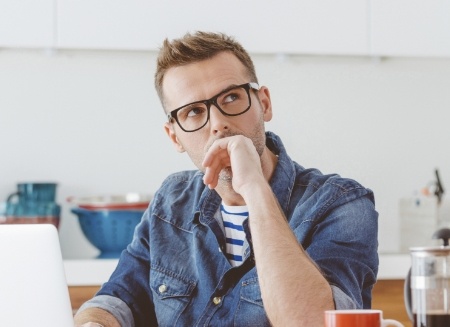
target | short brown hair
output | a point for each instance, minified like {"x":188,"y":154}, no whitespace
{"x":197,"y":47}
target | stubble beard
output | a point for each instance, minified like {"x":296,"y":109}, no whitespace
{"x":226,"y":175}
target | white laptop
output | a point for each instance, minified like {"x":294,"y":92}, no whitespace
{"x":33,"y":288}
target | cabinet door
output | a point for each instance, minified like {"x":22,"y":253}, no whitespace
{"x":27,"y":23}
{"x":410,"y":27}
{"x":296,"y":26}
{"x":318,"y":27}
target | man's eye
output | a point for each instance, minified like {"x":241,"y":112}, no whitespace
{"x":230,"y":97}
{"x":195,"y":111}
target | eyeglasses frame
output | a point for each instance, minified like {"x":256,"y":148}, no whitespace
{"x":172,"y":115}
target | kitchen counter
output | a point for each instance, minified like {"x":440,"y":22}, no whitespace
{"x":91,"y":272}
{"x":88,"y":272}
{"x":394,"y":266}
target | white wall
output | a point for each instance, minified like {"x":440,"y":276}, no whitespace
{"x":91,"y":121}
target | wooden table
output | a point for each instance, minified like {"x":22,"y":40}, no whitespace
{"x":387,"y":296}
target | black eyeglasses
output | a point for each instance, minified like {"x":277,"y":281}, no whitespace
{"x":234,"y":101}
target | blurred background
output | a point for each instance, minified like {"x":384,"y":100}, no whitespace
{"x":359,"y":88}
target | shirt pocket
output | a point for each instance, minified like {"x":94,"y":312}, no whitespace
{"x":171,"y":294}
{"x":251,"y":311}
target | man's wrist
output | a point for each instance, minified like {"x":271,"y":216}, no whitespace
{"x":91,"y":324}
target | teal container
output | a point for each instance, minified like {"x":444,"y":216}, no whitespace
{"x":34,"y":192}
{"x":33,"y":203}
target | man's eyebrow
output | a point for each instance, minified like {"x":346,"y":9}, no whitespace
{"x":229,"y":87}
{"x":225,"y":89}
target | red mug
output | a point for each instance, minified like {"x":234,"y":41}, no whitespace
{"x":358,"y":318}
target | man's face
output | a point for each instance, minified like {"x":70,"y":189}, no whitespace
{"x":203,"y":80}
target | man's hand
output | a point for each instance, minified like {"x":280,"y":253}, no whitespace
{"x":235,"y":152}
{"x":94,"y":317}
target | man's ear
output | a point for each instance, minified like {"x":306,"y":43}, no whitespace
{"x":173,"y":137}
{"x":266,"y":104}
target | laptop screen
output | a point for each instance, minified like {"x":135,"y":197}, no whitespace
{"x":33,"y":288}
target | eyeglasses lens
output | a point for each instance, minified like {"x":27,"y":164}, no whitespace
{"x":231,"y":103}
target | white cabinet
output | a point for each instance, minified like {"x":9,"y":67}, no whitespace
{"x":410,"y":28}
{"x":296,"y":26}
{"x":329,"y":27}
{"x":27,"y":23}
{"x":108,"y":24}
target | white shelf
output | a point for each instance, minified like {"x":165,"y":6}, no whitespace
{"x":92,"y":272}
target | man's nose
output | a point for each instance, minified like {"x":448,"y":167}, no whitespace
{"x":218,"y":121}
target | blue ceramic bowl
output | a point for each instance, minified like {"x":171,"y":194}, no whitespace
{"x":110,"y":231}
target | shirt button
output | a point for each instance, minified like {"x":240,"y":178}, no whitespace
{"x":162,"y":288}
{"x":217,"y":300}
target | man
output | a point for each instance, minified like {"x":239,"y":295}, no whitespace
{"x":251,"y":238}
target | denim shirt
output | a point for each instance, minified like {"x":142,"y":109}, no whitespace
{"x":174,"y":272}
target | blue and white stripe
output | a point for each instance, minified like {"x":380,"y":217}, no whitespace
{"x":236,"y":243}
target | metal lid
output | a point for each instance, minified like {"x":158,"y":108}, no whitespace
{"x":432,"y":250}
{"x":442,"y":250}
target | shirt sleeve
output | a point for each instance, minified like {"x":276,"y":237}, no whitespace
{"x":114,"y":306}
{"x":130,"y":282}
{"x":344,"y":244}
{"x":341,"y":300}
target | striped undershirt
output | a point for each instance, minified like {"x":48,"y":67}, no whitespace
{"x":236,"y":243}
